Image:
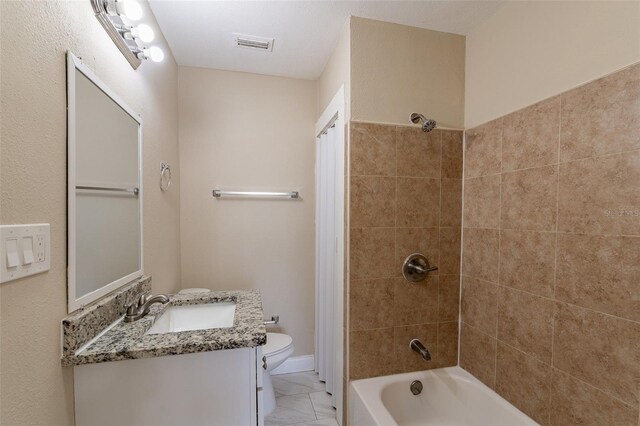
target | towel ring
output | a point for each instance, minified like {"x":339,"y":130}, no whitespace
{"x":165,"y":176}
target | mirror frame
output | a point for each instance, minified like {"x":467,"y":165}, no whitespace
{"x":74,"y":303}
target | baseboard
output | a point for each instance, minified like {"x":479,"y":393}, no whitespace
{"x":296,"y":364}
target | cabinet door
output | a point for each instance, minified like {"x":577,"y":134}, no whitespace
{"x":212,"y":388}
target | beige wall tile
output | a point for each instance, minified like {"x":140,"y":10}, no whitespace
{"x":478,"y":354}
{"x":447,"y":344}
{"x":480,"y":304}
{"x":480,"y":253}
{"x":601,"y":195}
{"x":449,"y":251}
{"x":373,"y":201}
{"x":418,"y":202}
{"x":599,"y":349}
{"x":529,"y":199}
{"x":530,"y":136}
{"x":451,"y":202}
{"x":370,"y":303}
{"x":417,"y":240}
{"x":527,"y":261}
{"x":372,"y":149}
{"x":524,"y":381}
{"x":525,"y":322}
{"x":601,"y":273}
{"x":371,"y":353}
{"x":405,"y":359}
{"x":448,"y":298}
{"x":483,"y":146}
{"x":575,"y":403}
{"x":602,"y":117}
{"x":482,"y":202}
{"x":418,"y":152}
{"x":415,"y":303}
{"x":372,"y":253}
{"x":451,"y":154}
{"x":575,"y":306}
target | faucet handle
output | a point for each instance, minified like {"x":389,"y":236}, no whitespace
{"x":143,"y":299}
{"x":135,"y":306}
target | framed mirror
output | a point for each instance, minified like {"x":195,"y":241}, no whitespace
{"x":104,"y":194}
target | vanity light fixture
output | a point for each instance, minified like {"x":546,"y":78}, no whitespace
{"x":117,"y":17}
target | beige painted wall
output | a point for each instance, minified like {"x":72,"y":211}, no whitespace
{"x":34,"y":37}
{"x":397,"y":70}
{"x":531,"y":50}
{"x":250,"y":132}
{"x":337,"y":72}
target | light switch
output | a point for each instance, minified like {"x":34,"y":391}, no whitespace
{"x":12,"y":253}
{"x":24,"y":250}
{"x":27,"y":250}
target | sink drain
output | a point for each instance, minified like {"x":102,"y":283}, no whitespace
{"x":416,"y":387}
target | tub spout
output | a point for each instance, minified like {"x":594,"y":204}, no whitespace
{"x":417,"y":346}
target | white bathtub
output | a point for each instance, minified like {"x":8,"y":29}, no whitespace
{"x":451,"y":396}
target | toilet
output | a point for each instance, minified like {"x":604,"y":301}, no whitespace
{"x":279,"y":347}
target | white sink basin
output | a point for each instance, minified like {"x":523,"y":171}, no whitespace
{"x":195,"y":317}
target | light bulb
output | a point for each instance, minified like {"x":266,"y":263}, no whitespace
{"x":129,"y":8}
{"x":156,"y":54}
{"x":143,"y":32}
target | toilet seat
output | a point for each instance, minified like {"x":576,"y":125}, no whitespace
{"x":276,"y":344}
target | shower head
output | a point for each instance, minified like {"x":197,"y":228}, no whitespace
{"x":427,"y":123}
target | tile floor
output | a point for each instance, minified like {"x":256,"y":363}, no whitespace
{"x":301,"y":401}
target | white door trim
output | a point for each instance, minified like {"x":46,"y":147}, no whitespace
{"x":334,"y":114}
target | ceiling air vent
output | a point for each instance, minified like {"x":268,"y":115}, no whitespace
{"x":244,"y":41}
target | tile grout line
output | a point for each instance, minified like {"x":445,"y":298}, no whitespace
{"x":439,"y":252}
{"x":605,"y":392}
{"x":555,"y":257}
{"x":495,"y":365}
{"x":555,"y":301}
{"x":595,"y":157}
{"x":395,"y":237}
{"x":313,"y":407}
{"x":464,"y":153}
{"x":584,"y":234}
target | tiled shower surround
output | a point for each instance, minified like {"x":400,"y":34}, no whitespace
{"x":405,"y":197}
{"x":551,"y":255}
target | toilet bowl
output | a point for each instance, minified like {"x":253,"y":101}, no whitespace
{"x":279,"y":347}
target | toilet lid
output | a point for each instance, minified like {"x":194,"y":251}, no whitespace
{"x":276,"y":342}
{"x":193,"y":290}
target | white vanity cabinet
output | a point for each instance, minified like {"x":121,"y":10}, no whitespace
{"x":221,"y":387}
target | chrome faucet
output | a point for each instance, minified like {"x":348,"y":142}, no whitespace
{"x":141,"y":307}
{"x":417,"y":346}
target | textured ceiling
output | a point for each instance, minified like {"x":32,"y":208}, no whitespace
{"x":305,"y":32}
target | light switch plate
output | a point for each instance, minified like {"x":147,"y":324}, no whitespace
{"x":33,"y":245}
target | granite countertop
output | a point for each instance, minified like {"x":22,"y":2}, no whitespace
{"x":129,"y":341}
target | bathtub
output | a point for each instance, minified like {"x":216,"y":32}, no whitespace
{"x":451,"y":396}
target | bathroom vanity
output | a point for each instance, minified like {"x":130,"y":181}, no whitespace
{"x":196,"y":360}
{"x":192,"y":359}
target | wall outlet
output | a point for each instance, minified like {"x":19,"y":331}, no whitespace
{"x":24,"y":250}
